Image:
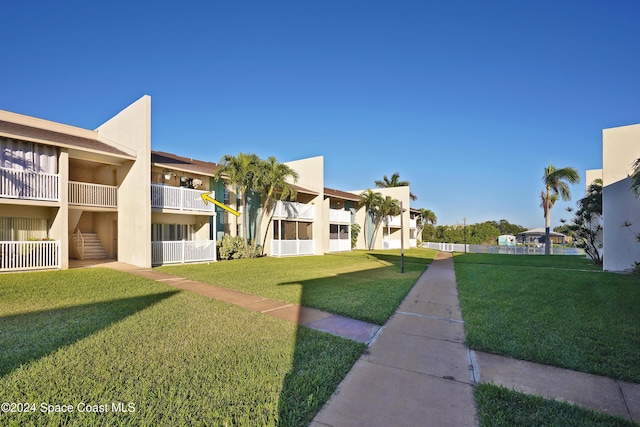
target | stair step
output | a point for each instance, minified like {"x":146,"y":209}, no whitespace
{"x":93,"y":248}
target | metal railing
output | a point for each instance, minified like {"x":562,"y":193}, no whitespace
{"x":293,"y":210}
{"x":29,"y":255}
{"x":182,"y":251}
{"x":78,"y":239}
{"x":29,"y":185}
{"x":180,"y":198}
{"x":89,"y":194}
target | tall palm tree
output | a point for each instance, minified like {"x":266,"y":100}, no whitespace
{"x":556,"y":182}
{"x":387,"y":207}
{"x":275,"y":186}
{"x":394,"y":181}
{"x":370,"y":200}
{"x":244,"y":173}
{"x":635,"y":176}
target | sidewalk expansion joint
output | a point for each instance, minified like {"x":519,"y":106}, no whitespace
{"x":426,"y":316}
{"x":474,"y":368}
{"x":277,"y":308}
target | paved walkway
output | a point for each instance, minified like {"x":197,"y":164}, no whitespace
{"x":309,"y":317}
{"x":417,"y":370}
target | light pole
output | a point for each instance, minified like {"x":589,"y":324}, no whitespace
{"x":465,"y":233}
{"x":401,"y":239}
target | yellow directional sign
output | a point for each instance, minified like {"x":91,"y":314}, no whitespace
{"x":206,"y":198}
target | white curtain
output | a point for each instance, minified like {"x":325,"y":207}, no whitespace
{"x":29,"y":156}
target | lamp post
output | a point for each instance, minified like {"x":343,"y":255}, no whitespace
{"x":401,"y":239}
{"x":465,"y":233}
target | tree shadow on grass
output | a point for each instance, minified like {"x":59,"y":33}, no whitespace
{"x":27,"y":337}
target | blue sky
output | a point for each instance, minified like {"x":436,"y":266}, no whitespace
{"x":467,"y":100}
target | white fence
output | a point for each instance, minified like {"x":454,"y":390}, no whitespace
{"x":29,"y":255}
{"x":181,"y":198}
{"x":446,"y":247}
{"x":88,"y":194}
{"x":339,"y":216}
{"x":291,"y":247}
{"x":293,"y":210}
{"x":182,"y":251}
{"x":17,"y":184}
{"x":496,"y":249}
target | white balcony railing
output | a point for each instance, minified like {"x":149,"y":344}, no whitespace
{"x":180,"y":198}
{"x":291,"y":247}
{"x":28,"y":185}
{"x":339,"y":245}
{"x":413,"y":223}
{"x":388,"y":243}
{"x":29,"y":255}
{"x":339,"y":216}
{"x":393,"y":221}
{"x":182,"y":251}
{"x":293,"y":210}
{"x":88,"y":194}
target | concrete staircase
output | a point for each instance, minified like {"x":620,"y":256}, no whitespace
{"x":93,"y":248}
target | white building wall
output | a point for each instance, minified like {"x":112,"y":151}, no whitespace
{"x":131,"y":128}
{"x":620,"y":148}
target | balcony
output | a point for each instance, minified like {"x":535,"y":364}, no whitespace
{"x":182,"y":251}
{"x":339,"y":216}
{"x":293,"y":210}
{"x":29,"y":255}
{"x":26,"y":185}
{"x":98,"y":195}
{"x":179,"y":198}
{"x":388,"y":243}
{"x":291,"y":247}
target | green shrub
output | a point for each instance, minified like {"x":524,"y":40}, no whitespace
{"x":355,"y":231}
{"x":232,"y":247}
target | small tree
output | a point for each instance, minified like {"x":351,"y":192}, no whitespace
{"x":587,"y":224}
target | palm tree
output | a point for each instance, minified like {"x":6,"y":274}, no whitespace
{"x":387,"y":208}
{"x":556,"y":185}
{"x":426,"y":216}
{"x":274,"y":186}
{"x":635,"y":176}
{"x":394,"y":181}
{"x":370,"y":200}
{"x":244,"y":173}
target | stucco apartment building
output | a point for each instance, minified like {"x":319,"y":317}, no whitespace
{"x":620,"y":206}
{"x":70,"y":193}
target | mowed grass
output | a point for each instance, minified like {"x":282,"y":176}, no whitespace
{"x":549,"y":310}
{"x":364,"y":285}
{"x":500,"y":407}
{"x":101,"y":337}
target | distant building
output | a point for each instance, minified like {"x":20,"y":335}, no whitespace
{"x":537,"y":236}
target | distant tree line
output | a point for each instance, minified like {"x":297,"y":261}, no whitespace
{"x":484,"y":233}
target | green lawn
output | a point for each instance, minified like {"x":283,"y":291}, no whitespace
{"x":499,"y":407}
{"x":549,"y":310}
{"x":100,"y":337}
{"x":364,"y":285}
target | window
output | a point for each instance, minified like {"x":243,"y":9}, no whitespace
{"x":305,"y":231}
{"x":226,"y":196}
{"x":338,"y":232}
{"x":12,"y":229}
{"x":28,"y":156}
{"x":171,"y":232}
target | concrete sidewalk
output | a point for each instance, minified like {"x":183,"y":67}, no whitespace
{"x":417,"y":372}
